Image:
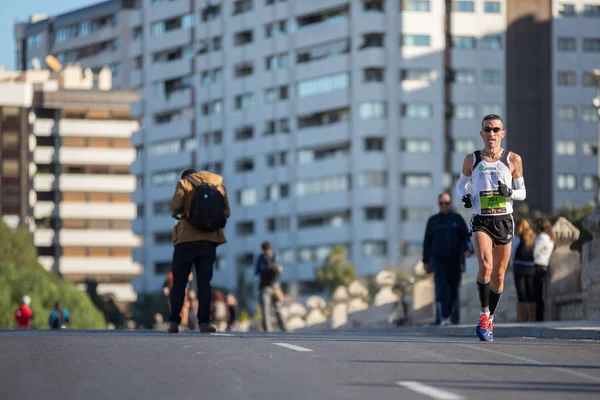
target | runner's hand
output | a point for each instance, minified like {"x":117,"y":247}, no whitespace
{"x":467,"y":201}
{"x":504,"y":190}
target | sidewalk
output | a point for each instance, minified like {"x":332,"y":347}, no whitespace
{"x":548,"y":330}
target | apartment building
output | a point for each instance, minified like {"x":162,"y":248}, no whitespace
{"x":337,"y":121}
{"x":65,"y":173}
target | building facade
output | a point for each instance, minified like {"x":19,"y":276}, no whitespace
{"x":66,"y":154}
{"x":340,"y":121}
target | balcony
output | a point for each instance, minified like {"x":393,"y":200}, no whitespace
{"x":172,"y":101}
{"x":323,"y":135}
{"x":85,"y":182}
{"x":86,"y":156}
{"x":99,"y":266}
{"x":86,"y":210}
{"x":323,"y":32}
{"x":175,"y":129}
{"x":167,"y":10}
{"x":98,"y":237}
{"x":84,"y":127}
{"x":170,"y":40}
{"x":173,"y":69}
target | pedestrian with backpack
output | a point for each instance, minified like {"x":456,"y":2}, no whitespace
{"x":201,"y":206}
{"x":269,"y":269}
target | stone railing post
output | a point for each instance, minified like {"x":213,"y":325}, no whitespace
{"x":565,"y":273}
{"x":295,"y":316}
{"x":590,"y":271}
{"x":339,"y":313}
{"x":385,"y":280}
{"x":358,"y":293}
{"x":315,"y":305}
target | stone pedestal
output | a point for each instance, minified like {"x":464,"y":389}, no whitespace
{"x":423,"y":301}
{"x":358,"y":293}
{"x":564,"y":281}
{"x":295,"y":316}
{"x":590,"y":269}
{"x":385,"y":280}
{"x":339,"y":313}
{"x":315,"y":305}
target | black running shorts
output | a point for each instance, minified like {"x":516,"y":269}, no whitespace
{"x":500,"y":228}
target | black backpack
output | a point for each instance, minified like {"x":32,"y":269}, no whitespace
{"x":271,"y":270}
{"x":207,"y":209}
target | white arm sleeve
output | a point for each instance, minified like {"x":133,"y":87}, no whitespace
{"x":461,"y":185}
{"x":519,"y":192}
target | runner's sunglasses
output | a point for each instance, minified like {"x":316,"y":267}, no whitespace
{"x":496,"y":130}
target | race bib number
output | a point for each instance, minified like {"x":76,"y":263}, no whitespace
{"x":492,"y":202}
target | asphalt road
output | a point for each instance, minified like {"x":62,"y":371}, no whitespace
{"x":89,"y":365}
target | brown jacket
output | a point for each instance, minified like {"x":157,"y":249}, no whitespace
{"x":182,"y":200}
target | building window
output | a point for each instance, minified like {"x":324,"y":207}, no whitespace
{"x":590,"y":114}
{"x":373,"y":40}
{"x":160,"y":208}
{"x":276,"y":28}
{"x":567,"y":44}
{"x":277,"y":191}
{"x":415,"y":145}
{"x":375,"y":214}
{"x":373,"y":74}
{"x":374,"y":248}
{"x":244,"y":165}
{"x":491,"y":7}
{"x":372,"y":110}
{"x":335,"y":219}
{"x":416,"y":5}
{"x":491,"y":42}
{"x":464,"y":42}
{"x":243,"y":38}
{"x":417,"y":180}
{"x":246,"y":197}
{"x":245,"y":260}
{"x":242,"y":6}
{"x":492,"y":77}
{"x":568,"y":113}
{"x":415,"y":74}
{"x":322,"y":185}
{"x":567,"y":78}
{"x":487,"y":109}
{"x":416,"y":110}
{"x":566,"y":147}
{"x":214,"y":107}
{"x":244,"y":228}
{"x":588,"y":79}
{"x":278,"y":224}
{"x":464,"y":6}
{"x":566,"y":182}
{"x":373,"y":5}
{"x":307,"y":156}
{"x":374,"y":144}
{"x":244,"y":133}
{"x":323,"y":51}
{"x":278,"y":158}
{"x":322,"y":84}
{"x":162,"y":268}
{"x":372,"y":179}
{"x":589,"y":148}
{"x":566,"y":10}
{"x":276,"y":94}
{"x":464,"y":111}
{"x":34,"y":42}
{"x":588,"y":182}
{"x":415,"y":214}
{"x":277,"y":61}
{"x":244,"y":101}
{"x":464,"y":146}
{"x":211,"y":13}
{"x":243,"y":69}
{"x":590,"y":10}
{"x":416,"y":40}
{"x":10,"y":168}
{"x":464,"y":76}
{"x":591,"y":45}
{"x":162,"y":238}
{"x":163,"y":178}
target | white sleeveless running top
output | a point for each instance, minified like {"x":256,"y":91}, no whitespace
{"x":484,"y":185}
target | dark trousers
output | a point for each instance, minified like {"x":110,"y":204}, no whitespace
{"x":539,"y":289}
{"x":202,"y":254}
{"x":446,"y":276}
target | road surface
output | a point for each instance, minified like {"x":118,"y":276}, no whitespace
{"x":92,"y":365}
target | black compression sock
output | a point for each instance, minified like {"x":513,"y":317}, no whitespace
{"x":494,"y":300}
{"x":484,"y":294}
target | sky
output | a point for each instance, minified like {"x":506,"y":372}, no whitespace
{"x":13,"y":11}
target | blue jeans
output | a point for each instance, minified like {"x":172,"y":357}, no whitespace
{"x":446,"y":276}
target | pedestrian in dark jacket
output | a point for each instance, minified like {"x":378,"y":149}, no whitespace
{"x":445,"y":246}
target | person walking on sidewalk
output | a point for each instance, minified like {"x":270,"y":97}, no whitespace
{"x":445,"y":244}
{"x":496,"y":177}
{"x":269,"y":269}
{"x":542,"y":250}
{"x":200,"y":203}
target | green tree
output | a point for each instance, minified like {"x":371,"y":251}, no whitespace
{"x":21,"y":274}
{"x":337,"y":270}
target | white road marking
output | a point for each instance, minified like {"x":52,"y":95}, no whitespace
{"x":429,"y":390}
{"x":531,"y":361}
{"x":291,"y":346}
{"x":222,"y":334}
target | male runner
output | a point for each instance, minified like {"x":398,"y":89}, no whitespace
{"x":496,"y":177}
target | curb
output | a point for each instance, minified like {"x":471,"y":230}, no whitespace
{"x":542,"y":332}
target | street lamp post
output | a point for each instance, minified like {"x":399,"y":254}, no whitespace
{"x":596,"y":103}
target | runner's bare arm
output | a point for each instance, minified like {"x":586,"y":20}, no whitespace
{"x":519,"y":192}
{"x":463,"y":180}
